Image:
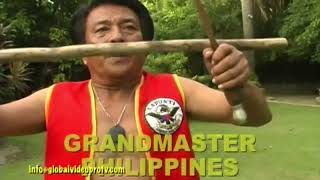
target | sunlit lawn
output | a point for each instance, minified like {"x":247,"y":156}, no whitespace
{"x":288,"y":148}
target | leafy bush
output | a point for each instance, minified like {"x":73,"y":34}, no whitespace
{"x":14,"y":79}
{"x":13,"y":76}
{"x":177,"y":19}
{"x":168,"y":63}
{"x":301,"y":27}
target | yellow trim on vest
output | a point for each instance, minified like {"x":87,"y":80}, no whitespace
{"x":47,"y":103}
{"x":137,"y":117}
{"x":93,"y":118}
{"x":136,"y":109}
{"x":176,"y":79}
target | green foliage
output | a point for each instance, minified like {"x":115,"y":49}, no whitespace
{"x":4,"y":33}
{"x":58,"y":36}
{"x":18,"y":77}
{"x":227,"y":18}
{"x":268,"y":16}
{"x":67,"y":70}
{"x":168,"y":63}
{"x":37,"y":23}
{"x":301,"y":27}
{"x":22,"y":24}
{"x":14,"y":79}
{"x":13,"y":76}
{"x":176,"y":19}
{"x":205,"y":79}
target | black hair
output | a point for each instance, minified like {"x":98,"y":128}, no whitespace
{"x":79,"y":19}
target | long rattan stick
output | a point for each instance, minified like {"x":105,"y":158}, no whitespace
{"x":121,"y":49}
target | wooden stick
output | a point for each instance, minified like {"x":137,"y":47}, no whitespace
{"x":206,"y":23}
{"x":122,"y":49}
{"x":239,"y":114}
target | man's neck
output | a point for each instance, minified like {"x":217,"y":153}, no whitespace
{"x":115,"y":87}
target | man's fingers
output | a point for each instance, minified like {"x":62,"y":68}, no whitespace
{"x":229,"y":74}
{"x":229,"y":66}
{"x":224,"y":65}
{"x":236,"y":82}
{"x":207,"y":54}
{"x":222,"y":51}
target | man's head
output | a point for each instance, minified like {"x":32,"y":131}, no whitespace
{"x":113,"y":21}
{"x":80,"y":18}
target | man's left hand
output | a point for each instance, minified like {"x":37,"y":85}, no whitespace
{"x":228,"y":65}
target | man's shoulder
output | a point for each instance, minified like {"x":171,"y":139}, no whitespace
{"x":71,"y":87}
{"x":71,"y":84}
{"x":158,"y":76}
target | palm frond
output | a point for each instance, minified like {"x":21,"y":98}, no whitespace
{"x":18,"y":77}
{"x":14,"y":77}
{"x":268,"y":9}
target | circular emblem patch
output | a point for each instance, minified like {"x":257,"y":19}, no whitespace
{"x":164,"y":115}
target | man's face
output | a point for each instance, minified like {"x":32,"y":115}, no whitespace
{"x":110,"y":24}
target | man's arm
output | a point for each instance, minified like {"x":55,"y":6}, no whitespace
{"x":204,"y":103}
{"x":230,"y":70}
{"x":25,"y":116}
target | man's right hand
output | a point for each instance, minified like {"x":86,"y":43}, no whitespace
{"x":25,"y":116}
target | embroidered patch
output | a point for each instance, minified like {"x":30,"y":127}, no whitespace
{"x":164,"y":115}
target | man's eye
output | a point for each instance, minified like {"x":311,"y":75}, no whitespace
{"x":103,"y":29}
{"x":130,"y":27}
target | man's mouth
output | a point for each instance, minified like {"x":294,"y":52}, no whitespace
{"x":121,"y":59}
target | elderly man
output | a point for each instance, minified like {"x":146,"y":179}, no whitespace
{"x":122,"y":99}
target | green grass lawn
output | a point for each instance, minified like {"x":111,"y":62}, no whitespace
{"x":288,"y":148}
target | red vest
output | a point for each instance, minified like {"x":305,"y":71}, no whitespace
{"x":70,"y":109}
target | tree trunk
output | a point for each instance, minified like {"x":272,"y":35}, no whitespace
{"x":248,"y":26}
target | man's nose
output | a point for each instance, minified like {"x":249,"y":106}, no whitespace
{"x":116,"y":35}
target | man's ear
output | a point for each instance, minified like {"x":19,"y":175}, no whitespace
{"x":84,"y":60}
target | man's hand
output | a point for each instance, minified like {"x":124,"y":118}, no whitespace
{"x":229,"y":66}
{"x":230,"y":70}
